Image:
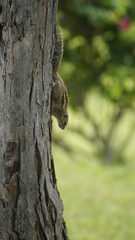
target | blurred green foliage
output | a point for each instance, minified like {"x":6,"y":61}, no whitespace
{"x":99,"y":39}
{"x":99,"y":53}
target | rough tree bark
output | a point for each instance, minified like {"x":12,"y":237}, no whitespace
{"x":30,"y":205}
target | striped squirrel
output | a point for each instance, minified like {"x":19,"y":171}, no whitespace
{"x":59,"y":90}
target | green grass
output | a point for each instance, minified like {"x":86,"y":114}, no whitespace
{"x":99,"y":202}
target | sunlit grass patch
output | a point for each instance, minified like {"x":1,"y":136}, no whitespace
{"x":98,"y":201}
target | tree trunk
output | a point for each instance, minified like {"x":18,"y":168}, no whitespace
{"x":30,"y":205}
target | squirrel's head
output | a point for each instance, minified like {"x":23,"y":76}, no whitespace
{"x":62,"y":120}
{"x":61,"y":116}
{"x":60,"y":104}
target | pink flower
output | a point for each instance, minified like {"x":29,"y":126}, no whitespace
{"x":124,"y":24}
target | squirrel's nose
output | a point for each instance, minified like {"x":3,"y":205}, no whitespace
{"x":65,"y":123}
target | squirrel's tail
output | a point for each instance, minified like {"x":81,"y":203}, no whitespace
{"x":58,"y":50}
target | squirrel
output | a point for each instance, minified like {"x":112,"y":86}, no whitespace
{"x":59,"y":90}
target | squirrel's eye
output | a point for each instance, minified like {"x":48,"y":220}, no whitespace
{"x":66,"y":116}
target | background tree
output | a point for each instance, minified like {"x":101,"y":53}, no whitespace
{"x":30,"y":205}
{"x":99,"y":55}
